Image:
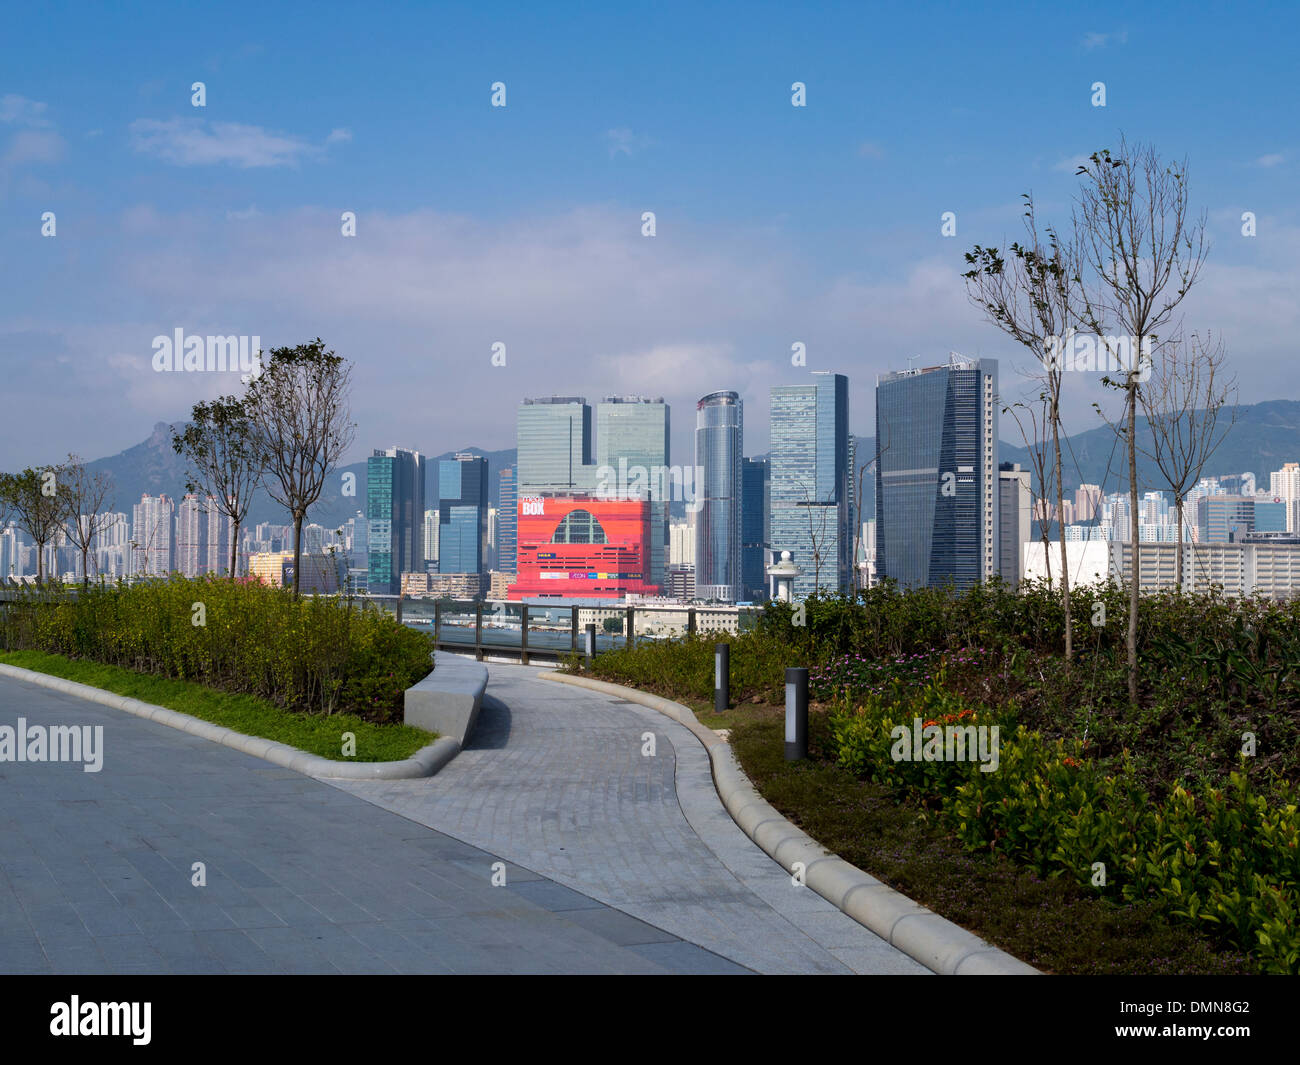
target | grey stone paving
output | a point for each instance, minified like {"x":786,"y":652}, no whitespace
{"x":95,"y":872}
{"x":554,"y":779}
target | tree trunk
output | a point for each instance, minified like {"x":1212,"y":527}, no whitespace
{"x":1133,"y":534}
{"x":1178,"y":565}
{"x":234,"y":549}
{"x":1060,"y":520}
{"x":297,"y":552}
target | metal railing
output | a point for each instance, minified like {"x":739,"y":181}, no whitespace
{"x":533,"y":631}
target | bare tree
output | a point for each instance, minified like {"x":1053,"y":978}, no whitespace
{"x":225,"y":460}
{"x":38,"y":499}
{"x":1141,"y":255}
{"x":816,"y":533}
{"x":1182,"y":403}
{"x":87,"y":501}
{"x":298,"y":406}
{"x":1028,"y":295}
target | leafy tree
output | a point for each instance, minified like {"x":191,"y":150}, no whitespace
{"x":226,"y":463}
{"x":298,"y":408}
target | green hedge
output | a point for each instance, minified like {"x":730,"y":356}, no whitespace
{"x":315,"y":654}
{"x":1227,"y":859}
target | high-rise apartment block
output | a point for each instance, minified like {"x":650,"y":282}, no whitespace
{"x":507,"y":522}
{"x":1014,"y":499}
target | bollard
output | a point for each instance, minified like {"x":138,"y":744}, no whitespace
{"x":591,"y":642}
{"x":796,"y":714}
{"x":721,"y":677}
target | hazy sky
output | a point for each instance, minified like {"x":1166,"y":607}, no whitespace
{"x":522,"y":225}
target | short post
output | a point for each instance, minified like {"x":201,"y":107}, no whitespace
{"x":630,"y":639}
{"x":437,"y":621}
{"x":573,"y":630}
{"x":523,"y":634}
{"x":478,"y":630}
{"x":399,"y":609}
{"x":591,"y":641}
{"x":796,"y":714}
{"x":690,"y":622}
{"x":721,"y":677}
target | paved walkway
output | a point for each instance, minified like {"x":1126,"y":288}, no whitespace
{"x":554,"y":778}
{"x":95,"y":870}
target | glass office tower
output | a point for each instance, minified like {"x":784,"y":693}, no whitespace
{"x":718,"y":455}
{"x":395,"y":518}
{"x":755,"y":528}
{"x":553,"y":437}
{"x":937,"y":476}
{"x":632,"y":434}
{"x":811,"y":498}
{"x":462,"y":513}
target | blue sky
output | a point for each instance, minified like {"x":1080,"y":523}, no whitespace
{"x":521,"y":224}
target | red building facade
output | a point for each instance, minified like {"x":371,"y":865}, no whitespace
{"x":582,"y":548}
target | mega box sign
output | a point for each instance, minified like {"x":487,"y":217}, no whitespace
{"x":529,"y":505}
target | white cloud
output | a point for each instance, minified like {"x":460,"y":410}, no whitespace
{"x":1071,"y":164}
{"x":623,"y":141}
{"x":871,"y":150}
{"x":1101,"y":40}
{"x":21,"y":111}
{"x":33,"y":146}
{"x":580,"y":299}
{"x":1270,"y":160}
{"x":192,"y":142}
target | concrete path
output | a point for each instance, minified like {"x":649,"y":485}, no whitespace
{"x":555,"y":779}
{"x":96,"y":870}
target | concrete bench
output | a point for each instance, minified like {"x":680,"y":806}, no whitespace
{"x":448,"y":700}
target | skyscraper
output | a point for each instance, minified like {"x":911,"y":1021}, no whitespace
{"x":1014,"y":503}
{"x":1284,"y":484}
{"x":554,"y":446}
{"x":430,"y":540}
{"x":719,"y":432}
{"x":152,"y":532}
{"x":631,"y":455}
{"x":811,"y":497}
{"x":507,"y":522}
{"x":462,"y":514}
{"x":937,"y":475}
{"x":755,"y":527}
{"x":395,"y":518}
{"x":190,"y":527}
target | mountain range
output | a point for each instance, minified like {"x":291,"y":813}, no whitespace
{"x":1264,"y":436}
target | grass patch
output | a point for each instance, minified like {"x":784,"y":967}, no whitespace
{"x":313,"y":733}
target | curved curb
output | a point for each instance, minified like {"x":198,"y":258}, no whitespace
{"x":920,"y":933}
{"x":424,"y":763}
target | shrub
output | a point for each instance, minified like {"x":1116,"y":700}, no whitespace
{"x":315,"y":654}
